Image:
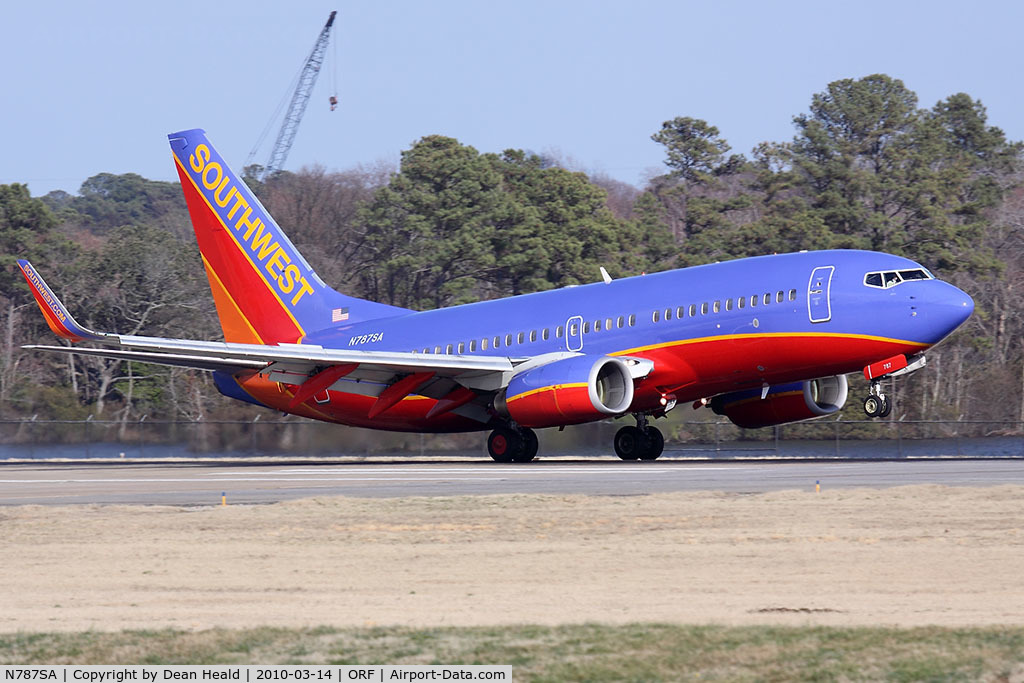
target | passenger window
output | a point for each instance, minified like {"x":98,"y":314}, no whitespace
{"x":448,"y":349}
{"x":472,"y":346}
{"x":574,"y":329}
{"x":608,"y":324}
{"x":632,"y":319}
{"x":681,"y":311}
{"x":767,"y":299}
{"x":728,"y":304}
{"x":545,"y":333}
{"x":693,"y":310}
{"x":656,"y":316}
{"x":621,"y":321}
{"x":508,"y":340}
{"x":780,"y":296}
{"x":792,"y":295}
{"x":437,"y":349}
{"x":533,"y":335}
{"x":668,"y":314}
{"x":704,"y":308}
{"x":586,"y":328}
{"x":741,"y":302}
{"x":426,"y":350}
{"x":558,"y":331}
{"x":717,"y":306}
{"x":483,"y":344}
{"x":753,"y":300}
{"x":597,"y":326}
{"x":462,"y":347}
{"x":520,"y":338}
{"x":497,"y":342}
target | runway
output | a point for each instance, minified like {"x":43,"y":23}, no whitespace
{"x":203,"y":483}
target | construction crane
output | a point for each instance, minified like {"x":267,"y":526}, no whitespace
{"x":297,"y":107}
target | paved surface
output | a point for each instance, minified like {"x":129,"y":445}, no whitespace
{"x":255,"y":482}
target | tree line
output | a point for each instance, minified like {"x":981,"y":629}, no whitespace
{"x":868,"y":167}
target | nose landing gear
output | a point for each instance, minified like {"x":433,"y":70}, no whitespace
{"x":642,"y":442}
{"x":877,"y":404}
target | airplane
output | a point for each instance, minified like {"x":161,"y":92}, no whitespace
{"x":763,"y":341}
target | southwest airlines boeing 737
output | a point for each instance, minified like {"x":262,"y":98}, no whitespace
{"x":763,"y":341}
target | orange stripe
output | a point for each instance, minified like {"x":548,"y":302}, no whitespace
{"x":233,"y":321}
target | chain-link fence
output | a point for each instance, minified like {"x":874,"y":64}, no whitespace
{"x":852,"y":439}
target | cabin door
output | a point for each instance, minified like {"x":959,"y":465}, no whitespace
{"x":574,"y":333}
{"x":819,"y":307}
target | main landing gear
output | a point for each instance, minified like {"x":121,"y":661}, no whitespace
{"x":642,"y":442}
{"x":877,"y":404}
{"x":508,"y":444}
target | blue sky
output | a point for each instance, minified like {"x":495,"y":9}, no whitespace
{"x":95,"y":87}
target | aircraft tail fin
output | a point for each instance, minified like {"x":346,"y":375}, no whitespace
{"x":264,"y":289}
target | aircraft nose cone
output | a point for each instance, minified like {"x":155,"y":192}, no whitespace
{"x":946,"y":309}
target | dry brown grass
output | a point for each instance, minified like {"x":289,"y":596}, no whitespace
{"x":911,"y":556}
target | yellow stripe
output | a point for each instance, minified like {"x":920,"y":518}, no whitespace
{"x":231,"y":299}
{"x":553,"y":387}
{"x":775,"y":335}
{"x":244,"y":252}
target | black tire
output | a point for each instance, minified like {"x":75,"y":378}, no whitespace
{"x":655,"y":444}
{"x":530,"y":445}
{"x":873,"y":406}
{"x":629,"y":443}
{"x":503,"y":445}
{"x":886,"y":408}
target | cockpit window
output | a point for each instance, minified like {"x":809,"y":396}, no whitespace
{"x":891,"y":278}
{"x":914,"y":275}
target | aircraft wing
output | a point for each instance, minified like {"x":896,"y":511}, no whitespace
{"x":289,"y":363}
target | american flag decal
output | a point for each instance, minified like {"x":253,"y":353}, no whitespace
{"x":339,"y":314}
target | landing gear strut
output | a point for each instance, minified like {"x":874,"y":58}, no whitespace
{"x":877,"y":404}
{"x":642,"y":442}
{"x":508,"y":444}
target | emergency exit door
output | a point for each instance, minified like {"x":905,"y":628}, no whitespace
{"x":819,"y":305}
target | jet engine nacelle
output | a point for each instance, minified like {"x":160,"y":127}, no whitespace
{"x":784,"y":403}
{"x":568,"y":391}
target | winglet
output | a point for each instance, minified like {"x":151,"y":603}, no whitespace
{"x":56,"y":314}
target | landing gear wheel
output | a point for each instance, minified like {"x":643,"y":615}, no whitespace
{"x":629,"y":443}
{"x":655,"y":443}
{"x":876,"y":406}
{"x":886,"y":408}
{"x":872,"y":406}
{"x":504,"y":444}
{"x":529,"y":450}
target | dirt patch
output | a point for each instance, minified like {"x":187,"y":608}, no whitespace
{"x":903,"y":556}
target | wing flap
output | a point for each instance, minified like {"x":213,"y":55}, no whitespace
{"x":392,"y":361}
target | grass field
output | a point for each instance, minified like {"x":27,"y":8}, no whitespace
{"x":591,"y":652}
